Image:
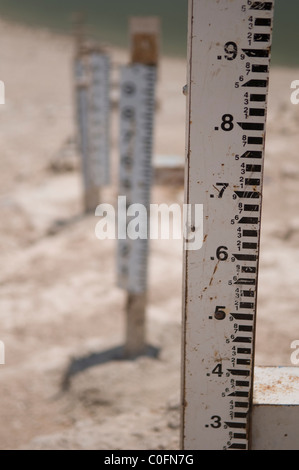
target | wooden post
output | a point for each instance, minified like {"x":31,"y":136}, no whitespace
{"x":135,"y":324}
{"x":145,"y":40}
{"x":137,"y":114}
{"x":78,"y":20}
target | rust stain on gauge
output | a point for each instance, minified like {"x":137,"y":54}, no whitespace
{"x":214,"y":272}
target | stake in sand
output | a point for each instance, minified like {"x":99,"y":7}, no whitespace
{"x":137,"y":108}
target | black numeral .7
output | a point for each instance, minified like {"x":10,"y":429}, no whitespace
{"x":224,"y":186}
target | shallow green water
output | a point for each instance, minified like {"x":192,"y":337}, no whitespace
{"x":108,"y":21}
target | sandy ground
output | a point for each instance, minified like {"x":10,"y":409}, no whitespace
{"x":61,"y":313}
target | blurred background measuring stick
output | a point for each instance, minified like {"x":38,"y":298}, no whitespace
{"x":229,"y":56}
{"x":92,"y":72}
{"x":137,"y":109}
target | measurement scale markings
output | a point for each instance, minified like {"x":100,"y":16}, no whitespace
{"x":252,"y":182}
{"x":256,"y":83}
{"x":261,"y":37}
{"x":263,"y":22}
{"x":238,"y":446}
{"x":242,"y":316}
{"x":242,"y":339}
{"x":261,"y":53}
{"x":238,"y":415}
{"x":249,"y":220}
{"x":247,"y":282}
{"x":242,"y":383}
{"x":246,"y":305}
{"x":259,"y":68}
{"x":252,"y":154}
{"x":137,"y":113}
{"x":239,"y":372}
{"x":247,"y":293}
{"x":243,"y":362}
{"x":248,"y":194}
{"x":258,"y":98}
{"x":252,"y":126}
{"x":247,"y":328}
{"x":242,"y":257}
{"x":251,"y":208}
{"x":255,"y":141}
{"x":240,"y":394}
{"x":248,"y":269}
{"x":256,"y":112}
{"x":268,"y":6}
{"x":254,"y":168}
{"x":235,"y":425}
{"x":247,"y":186}
{"x":249,"y":246}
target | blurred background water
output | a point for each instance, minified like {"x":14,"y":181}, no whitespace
{"x":108,"y":21}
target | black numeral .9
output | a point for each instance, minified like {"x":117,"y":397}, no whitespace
{"x":231,"y":50}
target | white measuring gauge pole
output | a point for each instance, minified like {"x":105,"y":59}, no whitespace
{"x":99,"y":119}
{"x":229,"y":56}
{"x":93,"y":116}
{"x":137,"y":105}
{"x":81,"y":81}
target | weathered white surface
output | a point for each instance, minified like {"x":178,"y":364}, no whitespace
{"x":81,"y":79}
{"x":229,"y":52}
{"x":275,"y":415}
{"x":99,"y":119}
{"x":93,"y":117}
{"x":137,"y":105}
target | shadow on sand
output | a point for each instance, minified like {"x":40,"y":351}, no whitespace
{"x":117,"y":353}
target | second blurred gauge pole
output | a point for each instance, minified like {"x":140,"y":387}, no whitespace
{"x":92,"y":72}
{"x":137,"y":111}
